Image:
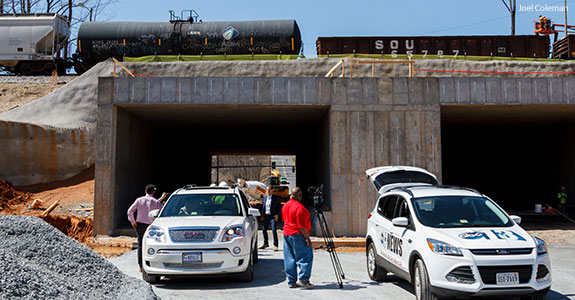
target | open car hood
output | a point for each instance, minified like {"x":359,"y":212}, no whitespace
{"x":389,"y":177}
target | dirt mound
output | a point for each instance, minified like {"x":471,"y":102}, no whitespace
{"x":9,"y":196}
{"x":79,"y":229}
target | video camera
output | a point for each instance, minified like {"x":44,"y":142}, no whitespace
{"x":316,"y":195}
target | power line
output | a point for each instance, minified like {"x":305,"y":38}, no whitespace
{"x":482,"y":22}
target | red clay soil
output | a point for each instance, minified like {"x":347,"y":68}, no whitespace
{"x":80,"y":229}
{"x":9,"y":196}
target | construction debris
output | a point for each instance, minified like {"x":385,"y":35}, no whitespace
{"x":50,"y":209}
{"x":36,"y":204}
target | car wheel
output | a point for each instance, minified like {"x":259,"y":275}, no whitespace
{"x":248,"y":274}
{"x":374,"y":271}
{"x":421,"y":282}
{"x":150,"y":278}
{"x":536,"y":296}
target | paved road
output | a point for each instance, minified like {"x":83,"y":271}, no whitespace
{"x":270,"y":283}
{"x":284,"y":165}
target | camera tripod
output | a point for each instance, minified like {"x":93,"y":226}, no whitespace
{"x":329,"y":246}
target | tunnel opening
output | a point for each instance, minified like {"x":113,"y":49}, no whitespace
{"x":173,"y":145}
{"x":517,"y":155}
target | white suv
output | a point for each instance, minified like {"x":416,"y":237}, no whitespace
{"x":202,"y":231}
{"x":450,"y":241}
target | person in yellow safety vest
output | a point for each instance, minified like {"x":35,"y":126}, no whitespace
{"x":542,"y":22}
{"x":562,"y":196}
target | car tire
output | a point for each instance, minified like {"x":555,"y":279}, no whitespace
{"x":255,"y":254}
{"x":248,"y":274}
{"x":150,"y":278}
{"x":375,"y":272}
{"x":421,"y":283}
{"x":536,"y":296}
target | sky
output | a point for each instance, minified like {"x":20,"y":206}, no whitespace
{"x":357,"y":18}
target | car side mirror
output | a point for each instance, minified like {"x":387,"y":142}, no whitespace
{"x":516,"y":219}
{"x":154,"y":213}
{"x":400,"y":222}
{"x":254,"y":212}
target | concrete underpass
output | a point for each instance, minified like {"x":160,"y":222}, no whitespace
{"x":173,"y":145}
{"x":511,"y":138}
{"x":518,"y":155}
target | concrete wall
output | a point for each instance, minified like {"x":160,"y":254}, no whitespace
{"x":31,"y":154}
{"x":552,"y":90}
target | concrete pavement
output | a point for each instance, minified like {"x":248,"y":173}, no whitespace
{"x":269,"y":280}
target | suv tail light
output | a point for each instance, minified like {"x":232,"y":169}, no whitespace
{"x":369,"y":216}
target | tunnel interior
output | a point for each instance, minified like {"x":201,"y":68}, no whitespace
{"x":173,"y":145}
{"x":518,"y":156}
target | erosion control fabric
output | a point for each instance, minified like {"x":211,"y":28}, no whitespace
{"x":39,"y":262}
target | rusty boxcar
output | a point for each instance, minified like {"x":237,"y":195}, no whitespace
{"x":531,"y":46}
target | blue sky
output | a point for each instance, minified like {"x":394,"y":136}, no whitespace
{"x":355,"y":18}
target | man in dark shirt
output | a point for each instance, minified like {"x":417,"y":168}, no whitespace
{"x":271,"y":210}
{"x":298,"y":252}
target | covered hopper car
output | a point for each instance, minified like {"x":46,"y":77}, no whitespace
{"x":29,"y":43}
{"x":98,"y":41}
{"x":530,"y":46}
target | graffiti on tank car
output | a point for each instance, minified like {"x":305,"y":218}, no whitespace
{"x":392,"y":243}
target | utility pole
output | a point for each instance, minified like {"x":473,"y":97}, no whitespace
{"x":512,"y":8}
{"x":565,"y":11}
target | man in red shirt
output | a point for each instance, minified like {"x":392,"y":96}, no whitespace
{"x":297,"y":244}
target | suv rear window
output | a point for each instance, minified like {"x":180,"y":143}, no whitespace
{"x":203,"y":205}
{"x":403,"y":177}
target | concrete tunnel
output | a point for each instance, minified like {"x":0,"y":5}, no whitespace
{"x":172,"y":145}
{"x":506,"y":137}
{"x":517,"y":155}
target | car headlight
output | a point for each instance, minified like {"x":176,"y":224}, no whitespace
{"x":233,"y":232}
{"x":541,"y":246}
{"x":156,"y":233}
{"x":440,"y":247}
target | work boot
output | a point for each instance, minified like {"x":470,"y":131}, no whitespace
{"x":276,"y":249}
{"x":264,"y":246}
{"x":305,"y":284}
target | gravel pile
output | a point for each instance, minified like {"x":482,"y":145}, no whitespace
{"x":39,"y":262}
{"x":34,"y":79}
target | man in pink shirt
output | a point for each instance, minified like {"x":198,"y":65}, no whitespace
{"x":142,"y":207}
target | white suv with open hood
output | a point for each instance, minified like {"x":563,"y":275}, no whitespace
{"x":202,"y":231}
{"x":450,"y":241}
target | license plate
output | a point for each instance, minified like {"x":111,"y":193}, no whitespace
{"x":191,"y":257}
{"x":507,"y":278}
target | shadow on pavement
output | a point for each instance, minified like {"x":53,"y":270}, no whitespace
{"x":274,"y":274}
{"x":553,"y":295}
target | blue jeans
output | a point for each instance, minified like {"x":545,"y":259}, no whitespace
{"x":269,"y":220}
{"x":297,"y":255}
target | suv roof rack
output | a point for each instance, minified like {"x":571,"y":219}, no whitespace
{"x":194,"y":187}
{"x":407,"y":189}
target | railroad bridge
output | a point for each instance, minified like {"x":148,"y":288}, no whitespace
{"x":500,"y":135}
